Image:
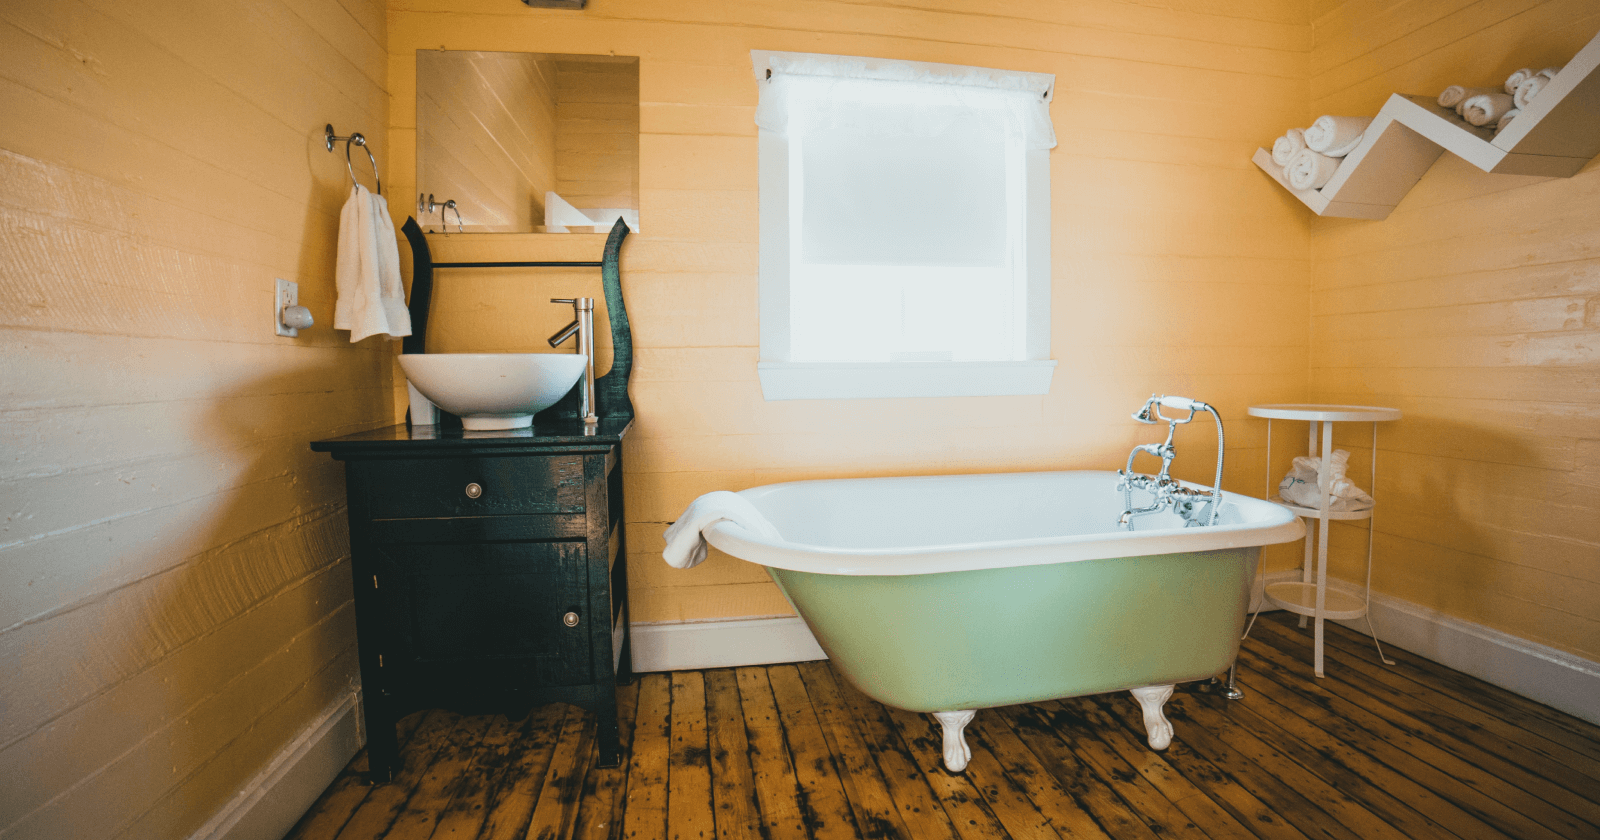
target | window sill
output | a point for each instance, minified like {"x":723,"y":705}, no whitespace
{"x":880,"y":380}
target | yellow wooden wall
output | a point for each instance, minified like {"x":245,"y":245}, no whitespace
{"x":597,"y":133}
{"x":1475,"y":308}
{"x":1177,"y":266}
{"x":174,"y":596}
{"x":491,"y":139}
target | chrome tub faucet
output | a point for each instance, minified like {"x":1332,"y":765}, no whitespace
{"x":1197,"y":507}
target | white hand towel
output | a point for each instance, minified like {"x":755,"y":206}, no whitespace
{"x":1505,"y":119}
{"x":1310,"y":170}
{"x":367,"y":275}
{"x":686,"y":547}
{"x":1516,"y":79}
{"x":1454,"y":95}
{"x":1305,"y":485}
{"x":1336,"y":136}
{"x":1531,"y":86}
{"x":1286,"y":147}
{"x":1486,"y":109}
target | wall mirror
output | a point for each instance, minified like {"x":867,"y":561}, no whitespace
{"x":526,"y":142}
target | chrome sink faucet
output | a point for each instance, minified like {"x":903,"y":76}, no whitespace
{"x":583,"y":326}
{"x":1197,"y":507}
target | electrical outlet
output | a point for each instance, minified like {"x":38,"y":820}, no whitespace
{"x":286,"y":294}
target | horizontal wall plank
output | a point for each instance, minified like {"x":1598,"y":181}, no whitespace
{"x":175,"y":614}
{"x":255,"y":708}
{"x":105,"y":718}
{"x":234,"y":577}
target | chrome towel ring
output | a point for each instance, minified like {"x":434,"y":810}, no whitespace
{"x":330,"y":138}
{"x":426,"y":204}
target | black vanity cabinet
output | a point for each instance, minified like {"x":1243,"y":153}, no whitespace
{"x":490,"y":573}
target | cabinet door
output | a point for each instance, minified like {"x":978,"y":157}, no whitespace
{"x":489,"y":615}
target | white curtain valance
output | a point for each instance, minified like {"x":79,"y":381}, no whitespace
{"x":807,"y":91}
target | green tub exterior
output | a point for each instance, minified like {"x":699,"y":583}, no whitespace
{"x":995,"y":637}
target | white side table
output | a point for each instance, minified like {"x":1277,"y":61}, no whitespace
{"x":1314,"y":596}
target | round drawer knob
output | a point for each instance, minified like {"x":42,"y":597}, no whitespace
{"x":474,"y":490}
{"x":570,"y":619}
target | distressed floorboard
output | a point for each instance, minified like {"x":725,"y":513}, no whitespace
{"x":796,"y":751}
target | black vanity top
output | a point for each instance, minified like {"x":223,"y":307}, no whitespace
{"x":563,"y":434}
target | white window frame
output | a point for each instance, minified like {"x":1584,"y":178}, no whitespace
{"x":782,"y":378}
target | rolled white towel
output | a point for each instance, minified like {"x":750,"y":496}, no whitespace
{"x":686,"y":547}
{"x":1336,"y":136}
{"x":1454,"y":95}
{"x":1528,"y":90}
{"x":1310,"y":170}
{"x":1531,"y":86}
{"x":1486,"y":109}
{"x":1286,"y":147}
{"x":1516,"y":79}
{"x":1505,"y":119}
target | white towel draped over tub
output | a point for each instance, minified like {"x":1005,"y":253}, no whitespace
{"x":1336,"y":136}
{"x":1310,"y":170}
{"x":367,"y":277}
{"x":685,"y":545}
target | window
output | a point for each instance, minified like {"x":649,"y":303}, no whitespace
{"x":905,"y":228}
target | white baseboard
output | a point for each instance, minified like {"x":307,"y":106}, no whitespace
{"x":276,"y":799}
{"x":1555,"y":678}
{"x":692,"y":645}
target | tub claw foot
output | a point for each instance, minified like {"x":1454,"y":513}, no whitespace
{"x":1151,"y":699}
{"x":956,"y":751}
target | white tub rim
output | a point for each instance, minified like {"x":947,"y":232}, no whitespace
{"x":1268,"y":524}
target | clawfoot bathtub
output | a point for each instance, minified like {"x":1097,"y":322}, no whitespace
{"x":947,"y":594}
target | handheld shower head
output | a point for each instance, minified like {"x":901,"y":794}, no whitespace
{"x":1146,"y":412}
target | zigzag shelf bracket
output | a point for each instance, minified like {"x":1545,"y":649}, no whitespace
{"x":1555,"y":136}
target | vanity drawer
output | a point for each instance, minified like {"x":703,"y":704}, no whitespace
{"x":489,"y":486}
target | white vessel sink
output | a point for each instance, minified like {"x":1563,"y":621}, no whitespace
{"x":494,"y":390}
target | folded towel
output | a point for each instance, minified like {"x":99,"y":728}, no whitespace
{"x":1306,"y":486}
{"x":1530,"y":87}
{"x":1528,"y":90}
{"x":1486,"y":109}
{"x":1454,"y":95}
{"x":1516,"y":79}
{"x":367,"y":274}
{"x":1505,"y":119}
{"x":1286,"y":147}
{"x":1310,"y":170}
{"x":685,"y":545}
{"x":1336,"y":136}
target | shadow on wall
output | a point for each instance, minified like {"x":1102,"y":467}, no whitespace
{"x":248,"y":641}
{"x":1431,"y":510}
{"x":264,"y":620}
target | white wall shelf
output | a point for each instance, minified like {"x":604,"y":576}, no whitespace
{"x":1555,"y":136}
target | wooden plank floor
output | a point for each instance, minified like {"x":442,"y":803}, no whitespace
{"x":792,"y":751}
